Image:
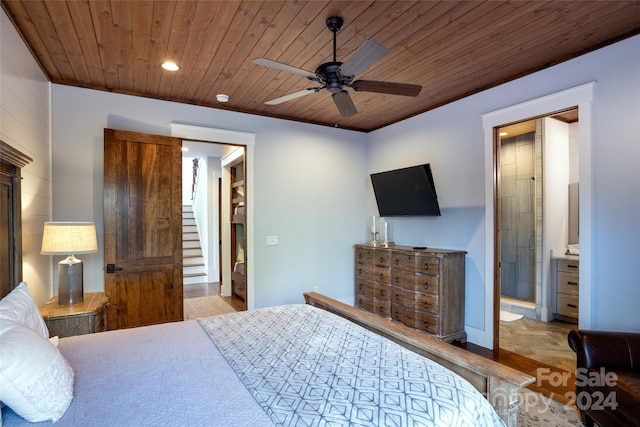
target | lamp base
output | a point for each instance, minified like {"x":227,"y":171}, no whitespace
{"x":70,"y":287}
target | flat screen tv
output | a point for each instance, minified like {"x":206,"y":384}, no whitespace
{"x":406,"y":192}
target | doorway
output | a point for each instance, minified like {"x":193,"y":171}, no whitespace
{"x":527,"y":225}
{"x":206,"y":220}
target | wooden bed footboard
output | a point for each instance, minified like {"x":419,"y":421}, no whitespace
{"x":498,"y":383}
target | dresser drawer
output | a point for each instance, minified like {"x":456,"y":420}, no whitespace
{"x":415,"y":282}
{"x":364,"y":302}
{"x":379,"y":306}
{"x":373,"y":289}
{"x":568,"y":265}
{"x":364,"y":271}
{"x":364,"y":255}
{"x":415,"y":301}
{"x":381,"y":274}
{"x":403,"y":315}
{"x":568,"y":305}
{"x":420,"y":264}
{"x":427,"y":323}
{"x":568,"y":283}
{"x":382,"y":258}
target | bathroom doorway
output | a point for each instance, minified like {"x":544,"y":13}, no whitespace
{"x":526,"y":216}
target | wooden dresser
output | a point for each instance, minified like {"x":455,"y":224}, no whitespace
{"x":420,"y":288}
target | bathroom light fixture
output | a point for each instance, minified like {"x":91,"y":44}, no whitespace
{"x":170,"y":66}
{"x":221,"y":97}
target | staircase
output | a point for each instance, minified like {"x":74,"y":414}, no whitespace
{"x":193,"y":270}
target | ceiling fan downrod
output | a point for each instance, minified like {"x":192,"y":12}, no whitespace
{"x":334,"y":23}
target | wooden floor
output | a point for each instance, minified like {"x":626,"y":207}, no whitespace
{"x":536,"y":348}
{"x":207,"y":289}
{"x":539,"y":349}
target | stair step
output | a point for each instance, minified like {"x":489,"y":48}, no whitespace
{"x":195,"y":264}
{"x":187,"y":252}
{"x":194,"y":274}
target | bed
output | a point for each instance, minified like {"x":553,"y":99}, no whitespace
{"x":320,"y":363}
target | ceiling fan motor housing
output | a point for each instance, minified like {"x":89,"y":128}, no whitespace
{"x":329,"y":75}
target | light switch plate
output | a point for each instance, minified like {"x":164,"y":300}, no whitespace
{"x":272,"y":240}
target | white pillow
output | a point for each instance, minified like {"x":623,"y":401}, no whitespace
{"x":35,"y":379}
{"x":20,"y":307}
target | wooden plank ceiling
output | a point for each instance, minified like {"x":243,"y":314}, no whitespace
{"x":451,"y":48}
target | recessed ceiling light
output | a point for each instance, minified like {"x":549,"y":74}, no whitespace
{"x":184,"y":149}
{"x":221,"y":97}
{"x":170,"y":66}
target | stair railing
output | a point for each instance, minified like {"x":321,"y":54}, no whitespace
{"x":194,"y":184}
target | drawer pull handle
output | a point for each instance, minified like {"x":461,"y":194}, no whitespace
{"x":426,"y":325}
{"x":396,"y":261}
{"x":359,"y":271}
{"x":426,"y":305}
{"x":397,"y":279}
{"x":381,"y":259}
{"x":572,"y":305}
{"x":572,"y":266}
{"x":426,"y":285}
{"x":426,"y":265}
{"x":381,"y":292}
{"x":381,"y":276}
{"x":380,"y":309}
{"x":572,"y":283}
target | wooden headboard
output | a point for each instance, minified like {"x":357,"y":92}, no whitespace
{"x":11,"y":163}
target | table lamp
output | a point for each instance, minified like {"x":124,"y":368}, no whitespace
{"x":69,"y":238}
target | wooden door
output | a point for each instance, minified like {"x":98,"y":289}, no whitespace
{"x":142,"y":228}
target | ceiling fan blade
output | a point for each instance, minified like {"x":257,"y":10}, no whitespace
{"x":404,"y":89}
{"x":344,"y":103}
{"x":283,"y":67}
{"x":291,"y":96}
{"x":366,"y":55}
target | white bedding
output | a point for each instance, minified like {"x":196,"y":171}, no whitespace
{"x":174,"y":375}
{"x":162,"y":375}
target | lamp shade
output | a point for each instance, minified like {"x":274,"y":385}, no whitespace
{"x":65,"y":238}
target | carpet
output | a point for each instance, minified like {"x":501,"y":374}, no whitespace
{"x":536,"y":410}
{"x":505,"y":316}
{"x":205,"y":307}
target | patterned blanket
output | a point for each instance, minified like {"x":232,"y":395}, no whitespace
{"x":308,"y":367}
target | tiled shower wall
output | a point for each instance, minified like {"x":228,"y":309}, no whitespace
{"x":518,"y":217}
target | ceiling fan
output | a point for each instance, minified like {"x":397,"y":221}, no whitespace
{"x":335,"y":76}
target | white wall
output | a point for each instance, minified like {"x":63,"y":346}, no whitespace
{"x":310,"y":186}
{"x":25,"y":113}
{"x":451,"y":139}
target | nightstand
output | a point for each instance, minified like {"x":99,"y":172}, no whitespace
{"x":85,"y":317}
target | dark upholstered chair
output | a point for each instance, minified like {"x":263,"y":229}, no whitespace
{"x":601,"y":396}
